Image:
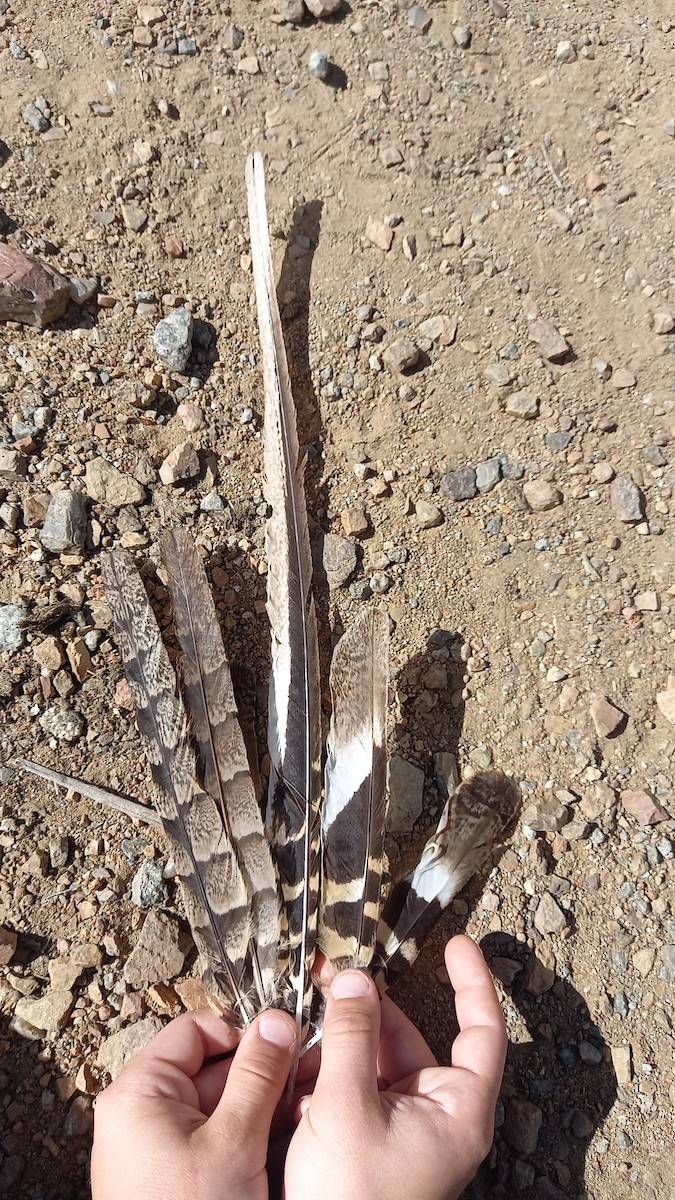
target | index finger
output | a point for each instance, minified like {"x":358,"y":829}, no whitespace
{"x":180,"y":1049}
{"x":480,"y":1046}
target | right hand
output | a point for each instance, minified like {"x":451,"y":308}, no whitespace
{"x":385,"y":1121}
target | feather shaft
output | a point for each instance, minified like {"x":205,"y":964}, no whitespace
{"x":294,"y":716}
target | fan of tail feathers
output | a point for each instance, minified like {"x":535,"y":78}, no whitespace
{"x":475,"y":818}
{"x":354,"y":806}
{"x":230,"y":867}
{"x":206,"y":801}
{"x":294,"y":713}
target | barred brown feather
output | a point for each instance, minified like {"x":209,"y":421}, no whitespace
{"x":214,"y":890}
{"x":212,"y":706}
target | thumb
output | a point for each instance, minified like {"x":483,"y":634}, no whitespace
{"x":255,"y":1085}
{"x":351,"y":1035}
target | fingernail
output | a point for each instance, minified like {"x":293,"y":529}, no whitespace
{"x":350,"y":984}
{"x":276,"y":1028}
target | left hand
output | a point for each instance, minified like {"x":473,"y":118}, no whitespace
{"x":173,"y":1126}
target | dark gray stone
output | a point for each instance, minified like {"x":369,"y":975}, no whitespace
{"x":65,"y":524}
{"x":172,"y":339}
{"x":459,"y":484}
{"x":521,"y":1125}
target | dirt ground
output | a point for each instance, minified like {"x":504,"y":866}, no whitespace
{"x":522,"y":169}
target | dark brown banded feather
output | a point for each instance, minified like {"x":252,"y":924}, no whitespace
{"x":354,"y":806}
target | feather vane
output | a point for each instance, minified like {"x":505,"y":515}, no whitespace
{"x":474,"y":818}
{"x":214,"y":890}
{"x":354,"y":806}
{"x":209,"y":694}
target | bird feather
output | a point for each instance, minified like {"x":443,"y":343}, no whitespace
{"x":214,"y":890}
{"x":479,"y":813}
{"x":294,"y":716}
{"x":210,"y":699}
{"x":354,"y":806}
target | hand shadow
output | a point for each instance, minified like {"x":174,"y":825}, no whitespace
{"x":559,"y":1084}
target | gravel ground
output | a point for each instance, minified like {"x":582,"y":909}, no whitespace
{"x":471,"y":211}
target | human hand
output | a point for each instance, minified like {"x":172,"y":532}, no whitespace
{"x":174,"y":1125}
{"x":385,"y":1121}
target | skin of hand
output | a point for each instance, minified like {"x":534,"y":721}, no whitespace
{"x":377,"y":1118}
{"x":175,"y":1125}
{"x":384,"y":1120}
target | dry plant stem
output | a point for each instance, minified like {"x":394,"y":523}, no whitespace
{"x":554,"y":174}
{"x":91,"y":790}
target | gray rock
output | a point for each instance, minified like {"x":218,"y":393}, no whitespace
{"x":65,"y":524}
{"x":627,"y":500}
{"x":590,"y":1054}
{"x":521,"y":1125}
{"x":488,"y":474}
{"x":419,"y":19}
{"x":318,"y":64}
{"x":667,"y":956}
{"x":212,"y":503}
{"x":558,"y":440}
{"x":459,"y":484}
{"x":339,"y":560}
{"x":187,"y":46}
{"x":549,"y":917}
{"x":158,"y":953}
{"x":116,"y":1051}
{"x":79,"y":1120}
{"x":541,"y":496}
{"x":401,"y":355}
{"x":182,"y":463}
{"x":48,"y":1013}
{"x":12,"y":1168}
{"x":406,"y":795}
{"x":447,"y":772}
{"x":551,"y":343}
{"x":37,"y":121}
{"x":461,"y":36}
{"x":172,"y":339}
{"x":13,"y":464}
{"x":428,"y":515}
{"x":11,"y":635}
{"x":147,"y":886}
{"x":82,"y":290}
{"x":108,"y":485}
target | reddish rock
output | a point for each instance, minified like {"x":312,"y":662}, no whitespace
{"x":30,"y":292}
{"x":642,"y":805}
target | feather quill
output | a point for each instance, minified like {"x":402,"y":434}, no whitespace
{"x":209,"y":695}
{"x":354,"y":805}
{"x":479,"y":813}
{"x":214,"y":890}
{"x":294,"y":717}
